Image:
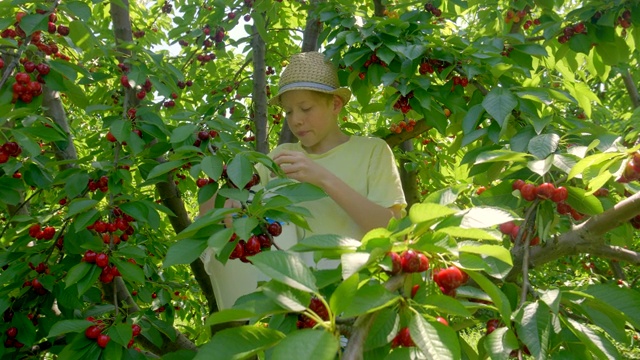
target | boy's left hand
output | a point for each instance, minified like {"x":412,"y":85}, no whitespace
{"x":298,"y":166}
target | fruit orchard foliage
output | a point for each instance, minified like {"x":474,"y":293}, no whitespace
{"x":109,"y":142}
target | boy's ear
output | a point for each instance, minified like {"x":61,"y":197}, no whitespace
{"x":338,"y":104}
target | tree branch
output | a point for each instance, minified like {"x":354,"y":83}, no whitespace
{"x":587,"y":237}
{"x":632,"y":89}
{"x":394,"y":139}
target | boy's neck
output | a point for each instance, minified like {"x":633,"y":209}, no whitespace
{"x":330,"y":143}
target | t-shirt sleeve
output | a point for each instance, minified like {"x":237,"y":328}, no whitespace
{"x":384,"y":185}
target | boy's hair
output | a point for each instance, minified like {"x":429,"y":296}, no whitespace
{"x":310,"y":71}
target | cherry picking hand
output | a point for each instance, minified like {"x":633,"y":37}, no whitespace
{"x":296,"y":165}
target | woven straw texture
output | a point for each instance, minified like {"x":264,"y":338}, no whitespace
{"x":309,"y":71}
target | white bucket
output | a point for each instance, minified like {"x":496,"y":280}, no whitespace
{"x":236,"y":278}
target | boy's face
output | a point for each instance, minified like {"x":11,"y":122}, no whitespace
{"x":311,"y":116}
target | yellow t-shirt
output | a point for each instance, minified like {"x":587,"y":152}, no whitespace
{"x":365,"y":164}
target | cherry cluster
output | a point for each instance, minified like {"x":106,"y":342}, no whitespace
{"x":570,"y":31}
{"x":546,"y":191}
{"x":9,"y":149}
{"x":102,"y":184}
{"x":527,"y":24}
{"x":167,"y":7}
{"x":11,"y":340}
{"x":402,"y":103}
{"x":204,"y":135}
{"x":449,"y":279}
{"x":409,"y":261}
{"x":118,"y":230}
{"x":374,"y":59}
{"x":25,"y":89}
{"x":102,"y":261}
{"x":432,"y":9}
{"x":41,"y":268}
{"x":402,"y":338}
{"x":255,"y":244}
{"x":141,"y":90}
{"x":631,"y":170}
{"x":510,"y":228}
{"x":36,"y":286}
{"x":431,"y":65}
{"x":515,"y":15}
{"x":624,"y":20}
{"x":305,"y":322}
{"x":39,"y":233}
{"x":402,"y":125}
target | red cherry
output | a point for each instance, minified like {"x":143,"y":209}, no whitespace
{"x":442,"y":320}
{"x":136,"y":329}
{"x":545,"y":191}
{"x":48,"y":233}
{"x":424,"y":262}
{"x":12,"y":332}
{"x":238,"y":251}
{"x":253,"y":246}
{"x":481,"y":189}
{"x":93,"y":332}
{"x":396,"y":262}
{"x":34,"y":230}
{"x":203,"y":135}
{"x":43,"y":69}
{"x":23,"y":78}
{"x":450,"y":278}
{"x":265,"y":241}
{"x":410,"y":261}
{"x":103,"y":340}
{"x":102,"y":260}
{"x":563,"y":208}
{"x":492,"y":324}
{"x":90,"y":256}
{"x":528,"y":192}
{"x":517,"y":185}
{"x":201,"y":182}
{"x":507,"y":227}
{"x":414,"y":290}
{"x":560,"y":194}
{"x":274,"y":228}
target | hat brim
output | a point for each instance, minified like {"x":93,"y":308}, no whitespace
{"x":344,"y":93}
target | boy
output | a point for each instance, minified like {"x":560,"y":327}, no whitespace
{"x":359,"y":174}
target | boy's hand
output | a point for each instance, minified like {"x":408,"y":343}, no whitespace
{"x":298,"y":166}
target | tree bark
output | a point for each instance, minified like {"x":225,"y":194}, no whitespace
{"x":409,"y":178}
{"x":260,"y":114}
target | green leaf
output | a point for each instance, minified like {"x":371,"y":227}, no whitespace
{"x":184,"y":252}
{"x":500,"y":343}
{"x":67,"y":326}
{"x":583,"y":203}
{"x":244,"y":226}
{"x":75,"y":184}
{"x":625,"y":300}
{"x":534,"y":327}
{"x":79,"y":9}
{"x":424,"y":212}
{"x":368,"y":298}
{"x":77,"y":272}
{"x":121,"y":333}
{"x":228,"y":315}
{"x":286,"y":268}
{"x":597,"y":343}
{"x":483,"y":217}
{"x":182,"y":133}
{"x":497,"y":251}
{"x":435,"y":340}
{"x":239,"y":343}
{"x":212,"y":166}
{"x":499,"y":103}
{"x":307,"y":344}
{"x":89,"y":280}
{"x":287,"y":297}
{"x":129,"y":271}
{"x":300,"y":192}
{"x":461,"y":233}
{"x":80,"y":205}
{"x":498,"y":297}
{"x":325,"y":242}
{"x":344,"y":294}
{"x":543,"y":145}
{"x":589,"y":161}
{"x":240,"y":170}
{"x":164,"y":168}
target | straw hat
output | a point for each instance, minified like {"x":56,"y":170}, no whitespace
{"x":310,"y":71}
